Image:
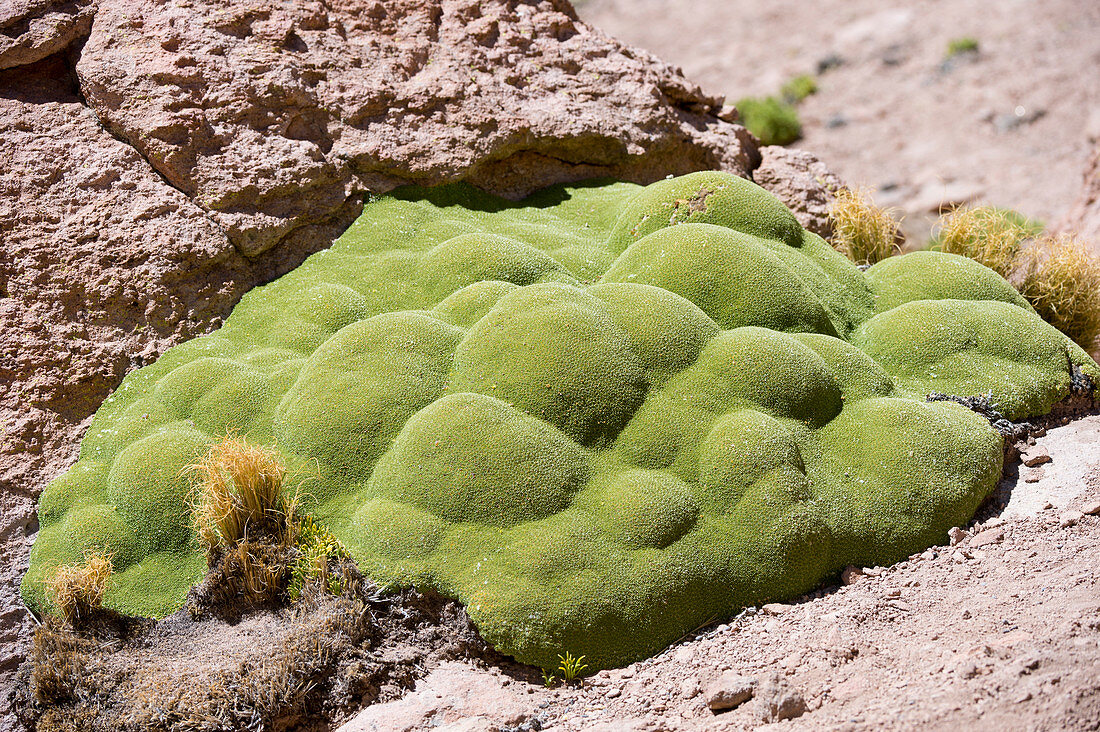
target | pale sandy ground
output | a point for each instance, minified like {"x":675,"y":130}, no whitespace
{"x":892,"y":115}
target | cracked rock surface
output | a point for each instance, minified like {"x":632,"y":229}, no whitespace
{"x":160,"y":159}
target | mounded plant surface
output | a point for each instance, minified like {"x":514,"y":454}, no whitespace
{"x":599,"y":417}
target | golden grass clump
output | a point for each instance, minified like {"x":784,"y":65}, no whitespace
{"x":1061,"y":280}
{"x":77,"y":589}
{"x":239,"y":492}
{"x":862,"y":231}
{"x":991,"y":236}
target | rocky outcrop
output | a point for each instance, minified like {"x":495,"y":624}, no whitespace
{"x":1083,"y":217}
{"x":802,"y":182}
{"x":31,"y":30}
{"x":269,"y":115}
{"x":160,"y":159}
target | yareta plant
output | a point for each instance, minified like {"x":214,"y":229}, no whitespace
{"x":600,"y":417}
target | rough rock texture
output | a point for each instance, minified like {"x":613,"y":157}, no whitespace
{"x":455,"y":697}
{"x":104,"y":266}
{"x":270,"y":114}
{"x":1083,"y":218}
{"x":801,"y":181}
{"x":31,"y":30}
{"x":237,"y":130}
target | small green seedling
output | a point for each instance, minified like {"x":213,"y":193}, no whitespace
{"x":957,"y":46}
{"x":549,"y":680}
{"x":571,"y":667}
{"x":798,"y":88}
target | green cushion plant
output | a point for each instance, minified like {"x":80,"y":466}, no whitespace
{"x":599,"y":417}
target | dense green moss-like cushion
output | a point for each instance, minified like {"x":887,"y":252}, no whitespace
{"x":600,"y":417}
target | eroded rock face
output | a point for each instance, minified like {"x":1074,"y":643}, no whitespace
{"x":1083,"y":218}
{"x":802,"y":182}
{"x":270,"y":114}
{"x":31,"y":30}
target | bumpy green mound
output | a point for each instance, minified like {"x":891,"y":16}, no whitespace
{"x":600,"y":417}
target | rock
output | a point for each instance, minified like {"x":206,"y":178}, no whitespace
{"x":988,"y":536}
{"x":614,"y":693}
{"x":851,"y":575}
{"x":776,"y":608}
{"x":1038,"y":458}
{"x":728,"y":691}
{"x":31,"y":30}
{"x":689,"y":688}
{"x":1034,"y":476}
{"x":684,"y":654}
{"x":802,"y":182}
{"x":1091,"y":508}
{"x":1083,"y":216}
{"x":1070,"y":518}
{"x":452,"y":694}
{"x":776,"y":700}
{"x":956,"y":535}
{"x":269,"y":115}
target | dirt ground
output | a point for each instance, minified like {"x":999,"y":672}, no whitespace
{"x":1009,"y":125}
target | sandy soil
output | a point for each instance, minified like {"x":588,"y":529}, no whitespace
{"x":1009,"y":126}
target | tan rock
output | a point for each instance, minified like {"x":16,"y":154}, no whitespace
{"x":802,"y":182}
{"x":271,"y":114}
{"x":31,"y":30}
{"x":453,"y":694}
{"x":728,"y":691}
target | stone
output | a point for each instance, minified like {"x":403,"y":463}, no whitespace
{"x":1038,"y":458}
{"x":776,"y":608}
{"x":271,"y":115}
{"x":851,"y":575}
{"x":31,"y":30}
{"x":988,"y":536}
{"x":728,"y":691}
{"x":1091,"y":508}
{"x":1070,"y":518}
{"x":689,"y":688}
{"x":957,"y":535}
{"x":776,"y":700}
{"x":452,"y":694}
{"x":802,"y":182}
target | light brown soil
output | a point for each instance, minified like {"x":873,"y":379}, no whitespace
{"x":1009,"y":125}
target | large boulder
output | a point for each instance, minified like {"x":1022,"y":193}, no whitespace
{"x":271,"y":114}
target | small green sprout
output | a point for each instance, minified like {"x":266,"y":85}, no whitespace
{"x":571,"y":667}
{"x":957,"y":46}
{"x":798,"y":88}
{"x":549,"y":679}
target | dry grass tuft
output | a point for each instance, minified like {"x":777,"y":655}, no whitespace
{"x":988,"y":235}
{"x":1061,"y":280}
{"x":862,"y":231}
{"x":77,"y":589}
{"x":239,"y":492}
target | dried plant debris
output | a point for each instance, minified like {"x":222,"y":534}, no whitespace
{"x":305,"y":667}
